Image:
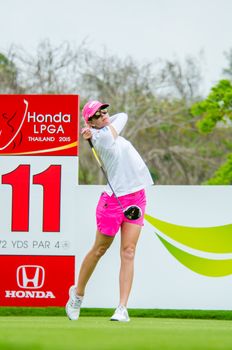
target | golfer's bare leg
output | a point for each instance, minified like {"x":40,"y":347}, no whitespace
{"x":101,"y":244}
{"x":129,"y":238}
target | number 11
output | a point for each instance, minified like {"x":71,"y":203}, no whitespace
{"x":50,"y":180}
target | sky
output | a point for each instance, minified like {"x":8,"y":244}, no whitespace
{"x":144,"y":29}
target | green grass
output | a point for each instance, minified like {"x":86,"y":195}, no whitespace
{"x":58,"y":333}
{"x":104,"y":312}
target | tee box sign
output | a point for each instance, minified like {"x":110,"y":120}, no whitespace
{"x":38,"y":174}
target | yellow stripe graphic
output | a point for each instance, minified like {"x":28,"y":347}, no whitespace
{"x":70,"y":145}
{"x":203,"y":266}
{"x":217,"y":239}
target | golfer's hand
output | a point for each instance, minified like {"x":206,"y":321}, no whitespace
{"x":86,"y":133}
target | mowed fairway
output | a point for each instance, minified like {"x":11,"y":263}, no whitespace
{"x":58,"y":333}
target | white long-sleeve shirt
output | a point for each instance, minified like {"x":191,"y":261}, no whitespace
{"x":125,"y":168}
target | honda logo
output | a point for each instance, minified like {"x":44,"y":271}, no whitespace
{"x":11,"y":135}
{"x":30,"y":276}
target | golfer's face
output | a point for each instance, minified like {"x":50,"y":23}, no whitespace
{"x":101,"y":120}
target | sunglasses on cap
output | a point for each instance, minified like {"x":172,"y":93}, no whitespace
{"x":99,"y":114}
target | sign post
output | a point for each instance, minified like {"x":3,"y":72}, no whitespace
{"x":38,"y":174}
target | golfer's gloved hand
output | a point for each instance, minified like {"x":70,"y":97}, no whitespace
{"x":86,"y":133}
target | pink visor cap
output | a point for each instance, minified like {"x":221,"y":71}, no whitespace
{"x":91,"y":107}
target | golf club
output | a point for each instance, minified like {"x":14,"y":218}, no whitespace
{"x":133,"y":212}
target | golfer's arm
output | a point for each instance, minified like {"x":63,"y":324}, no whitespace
{"x":118,"y":122}
{"x":113,"y":131}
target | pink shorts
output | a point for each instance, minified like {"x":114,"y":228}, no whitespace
{"x":109,"y":214}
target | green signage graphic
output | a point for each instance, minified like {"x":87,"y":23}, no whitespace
{"x":207,"y":239}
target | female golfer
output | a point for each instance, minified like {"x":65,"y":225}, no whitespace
{"x":128,"y":176}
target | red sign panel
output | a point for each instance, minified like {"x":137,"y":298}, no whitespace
{"x":39,"y":125}
{"x":35,"y":280}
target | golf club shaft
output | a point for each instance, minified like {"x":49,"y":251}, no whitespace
{"x":104,"y":172}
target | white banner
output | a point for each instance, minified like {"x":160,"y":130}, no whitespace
{"x":182,"y":277}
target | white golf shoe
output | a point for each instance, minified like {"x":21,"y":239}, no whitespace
{"x":120,"y":314}
{"x":73,"y":305}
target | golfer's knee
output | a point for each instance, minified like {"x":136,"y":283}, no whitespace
{"x":128,"y":253}
{"x":100,"y":251}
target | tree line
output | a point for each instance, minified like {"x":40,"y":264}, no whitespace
{"x":184,"y":138}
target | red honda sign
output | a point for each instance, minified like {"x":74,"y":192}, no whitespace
{"x":35,"y":280}
{"x":38,"y":125}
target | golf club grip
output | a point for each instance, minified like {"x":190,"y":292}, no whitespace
{"x":90,"y":143}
